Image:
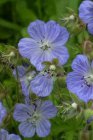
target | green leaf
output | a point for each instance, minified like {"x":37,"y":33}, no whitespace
{"x":26,"y":15}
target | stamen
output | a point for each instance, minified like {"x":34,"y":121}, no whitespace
{"x":88,"y":79}
{"x":44,"y":45}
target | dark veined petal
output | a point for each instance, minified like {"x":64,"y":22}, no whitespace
{"x":36,"y":30}
{"x":27,"y":47}
{"x":22,"y":112}
{"x":90,"y":27}
{"x":61,"y":53}
{"x":86,"y":11}
{"x":52,"y":30}
{"x":42,"y":85}
{"x":62,"y":38}
{"x":81,"y":64}
{"x":48,"y":110}
{"x":43,"y":128}
{"x":74,"y":82}
{"x":13,"y":137}
{"x":27,"y":129}
{"x":86,"y":93}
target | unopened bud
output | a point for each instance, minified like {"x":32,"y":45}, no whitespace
{"x":29,"y":77}
{"x":52,"y":67}
{"x":74,"y":105}
{"x":12,"y":54}
{"x":72,"y":17}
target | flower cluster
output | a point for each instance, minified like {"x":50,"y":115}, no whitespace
{"x":46,"y":44}
{"x":47,"y":52}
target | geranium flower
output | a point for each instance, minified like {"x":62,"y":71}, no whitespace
{"x":80,"y":81}
{"x":34,"y":118}
{"x":46,"y":43}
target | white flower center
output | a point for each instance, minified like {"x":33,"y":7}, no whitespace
{"x":45,"y":45}
{"x":89,"y":79}
{"x":35,"y":117}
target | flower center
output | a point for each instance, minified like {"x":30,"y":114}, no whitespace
{"x":89,"y":79}
{"x":34,"y":118}
{"x":44,"y":45}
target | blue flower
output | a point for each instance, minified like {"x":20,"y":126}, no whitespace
{"x":3,"y":112}
{"x":5,"y":136}
{"x":80,"y":81}
{"x":25,"y":78}
{"x":34,"y":118}
{"x":86,"y":14}
{"x":46,"y":43}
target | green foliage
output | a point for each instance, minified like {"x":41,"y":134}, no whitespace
{"x":15,"y":16}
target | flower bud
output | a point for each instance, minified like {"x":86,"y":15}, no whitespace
{"x":74,"y":105}
{"x":72,"y":17}
{"x":52,"y":67}
{"x":12,"y":54}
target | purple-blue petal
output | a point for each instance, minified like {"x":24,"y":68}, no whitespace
{"x":13,"y":137}
{"x":86,"y":93}
{"x":20,"y":70}
{"x":86,"y":11}
{"x":48,"y":110}
{"x":3,"y":112}
{"x":92,"y":64}
{"x":74,"y":82}
{"x":43,"y":128}
{"x":27,"y":47}
{"x":36,"y":30}
{"x":81,"y":64}
{"x":52,"y":30}
{"x":26,"y":89}
{"x":3,"y":134}
{"x":62,"y":38}
{"x":61,"y":53}
{"x":27,"y":129}
{"x":22,"y":112}
{"x":90,"y":27}
{"x":42,"y":85}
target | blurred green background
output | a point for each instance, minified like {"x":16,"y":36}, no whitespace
{"x":15,"y":15}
